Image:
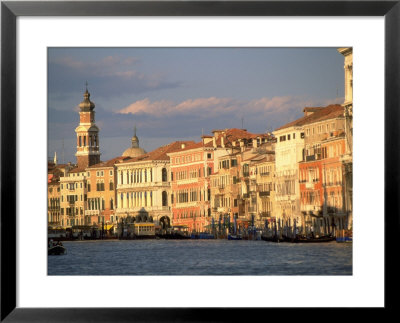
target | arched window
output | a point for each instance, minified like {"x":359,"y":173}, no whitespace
{"x":164,"y":198}
{"x":164,"y":175}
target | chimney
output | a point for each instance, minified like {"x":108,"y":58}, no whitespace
{"x":183,"y":146}
{"x":222,"y":142}
{"x":214,"y":142}
{"x":254,"y":142}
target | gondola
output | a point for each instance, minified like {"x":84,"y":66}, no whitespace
{"x":302,"y":239}
{"x":234,"y":237}
{"x":272,"y":239}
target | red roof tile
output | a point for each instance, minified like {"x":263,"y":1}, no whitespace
{"x":109,"y":163}
{"x":329,"y":112}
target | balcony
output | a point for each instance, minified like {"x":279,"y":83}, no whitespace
{"x":92,"y":212}
{"x":310,"y":185}
{"x":253,"y":188}
{"x":265,"y":214}
{"x":252,"y":209}
{"x":264,"y":193}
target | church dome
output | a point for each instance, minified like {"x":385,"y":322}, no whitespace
{"x":86,"y":105}
{"x":134,"y":150}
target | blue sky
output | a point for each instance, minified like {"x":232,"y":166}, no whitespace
{"x":178,"y":93}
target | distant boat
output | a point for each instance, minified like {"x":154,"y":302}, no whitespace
{"x":234,"y":237}
{"x":57,"y":250}
{"x":344,"y":239}
{"x":202,"y":235}
{"x":345,"y":236}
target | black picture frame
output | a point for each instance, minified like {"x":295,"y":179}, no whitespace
{"x":10,"y":10}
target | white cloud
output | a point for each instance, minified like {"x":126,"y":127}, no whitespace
{"x":213,"y":107}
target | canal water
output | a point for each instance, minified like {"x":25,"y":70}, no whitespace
{"x":201,"y":257}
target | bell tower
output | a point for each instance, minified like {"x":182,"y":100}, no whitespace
{"x":87,"y":134}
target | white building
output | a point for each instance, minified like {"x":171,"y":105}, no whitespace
{"x":288,"y":153}
{"x":144,"y":182}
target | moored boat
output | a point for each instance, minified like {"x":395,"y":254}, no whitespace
{"x":344,"y":239}
{"x":272,"y":238}
{"x":234,"y":237}
{"x":202,"y":235}
{"x":345,"y":236}
{"x":303,"y":239}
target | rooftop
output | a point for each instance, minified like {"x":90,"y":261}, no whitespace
{"x":330,"y":112}
{"x":161,"y":152}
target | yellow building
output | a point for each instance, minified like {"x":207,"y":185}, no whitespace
{"x":262,"y":170}
{"x":73,"y":192}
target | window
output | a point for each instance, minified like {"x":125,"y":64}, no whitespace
{"x":111,"y":186}
{"x":164,"y":174}
{"x":288,"y":137}
{"x":294,"y":136}
{"x":111,"y":172}
{"x":209,"y":155}
{"x":164,"y":198}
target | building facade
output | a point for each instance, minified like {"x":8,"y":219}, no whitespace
{"x":288,"y":153}
{"x":262,"y":171}
{"x":101,"y":193}
{"x":347,"y":158}
{"x":73,"y":191}
{"x":144,"y":183}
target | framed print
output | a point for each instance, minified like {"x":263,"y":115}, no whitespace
{"x":150,"y":187}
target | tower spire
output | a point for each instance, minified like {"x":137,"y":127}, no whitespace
{"x":87,"y":133}
{"x":134,"y":139}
